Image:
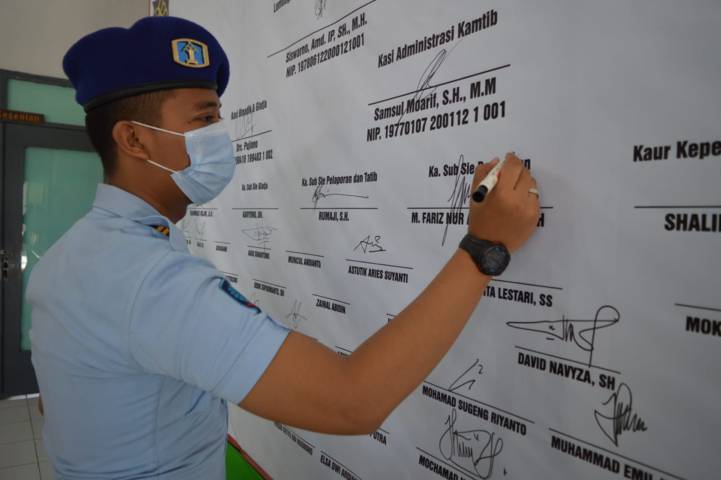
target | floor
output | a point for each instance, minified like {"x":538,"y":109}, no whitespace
{"x":22,"y":456}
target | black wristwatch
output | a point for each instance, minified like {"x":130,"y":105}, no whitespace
{"x":491,"y":258}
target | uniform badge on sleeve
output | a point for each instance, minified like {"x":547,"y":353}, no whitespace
{"x":237,"y":296}
{"x":190,"y":53}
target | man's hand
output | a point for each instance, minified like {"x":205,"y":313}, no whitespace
{"x":309,"y":386}
{"x":509,"y":214}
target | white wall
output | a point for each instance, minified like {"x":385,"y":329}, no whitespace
{"x":35,"y":34}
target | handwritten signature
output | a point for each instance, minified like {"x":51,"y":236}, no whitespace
{"x":193,"y":226}
{"x":247,"y":126}
{"x":474,"y":451}
{"x":369,"y":245}
{"x":200,"y":227}
{"x":459,"y":196}
{"x":580,"y":332}
{"x":319,"y":8}
{"x":622,"y":418}
{"x":260,"y":233}
{"x":295,"y":317}
{"x":321,"y":191}
{"x":422,"y":90}
{"x":463,"y":379}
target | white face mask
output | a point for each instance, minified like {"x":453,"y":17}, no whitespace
{"x":212,"y":162}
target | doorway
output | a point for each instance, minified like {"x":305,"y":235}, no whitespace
{"x":48,"y":179}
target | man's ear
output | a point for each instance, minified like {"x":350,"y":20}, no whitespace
{"x":131,"y":139}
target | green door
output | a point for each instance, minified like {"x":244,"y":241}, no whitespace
{"x":51,"y":173}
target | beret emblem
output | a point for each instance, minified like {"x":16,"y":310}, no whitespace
{"x":190,"y":53}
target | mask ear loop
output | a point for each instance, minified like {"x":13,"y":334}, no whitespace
{"x":161,"y":130}
{"x":161,"y":166}
{"x":157,"y":128}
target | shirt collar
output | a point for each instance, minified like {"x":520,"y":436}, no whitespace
{"x":124,"y":204}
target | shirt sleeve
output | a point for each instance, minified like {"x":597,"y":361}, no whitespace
{"x":187,"y":322}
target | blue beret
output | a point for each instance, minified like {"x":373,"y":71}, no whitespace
{"x":156,"y":53}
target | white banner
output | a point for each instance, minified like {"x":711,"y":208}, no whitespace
{"x":358,"y":125}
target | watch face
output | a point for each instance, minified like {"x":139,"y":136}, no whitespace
{"x":495,"y":260}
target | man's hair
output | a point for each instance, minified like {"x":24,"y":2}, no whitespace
{"x":99,"y":122}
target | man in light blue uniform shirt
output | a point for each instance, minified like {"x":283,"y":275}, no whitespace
{"x":138,"y":346}
{"x":150,"y":350}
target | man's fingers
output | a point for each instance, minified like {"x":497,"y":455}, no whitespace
{"x":513,"y":175}
{"x":534,"y":185}
{"x":482,"y":170}
{"x":512,"y":169}
{"x":524,"y":181}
